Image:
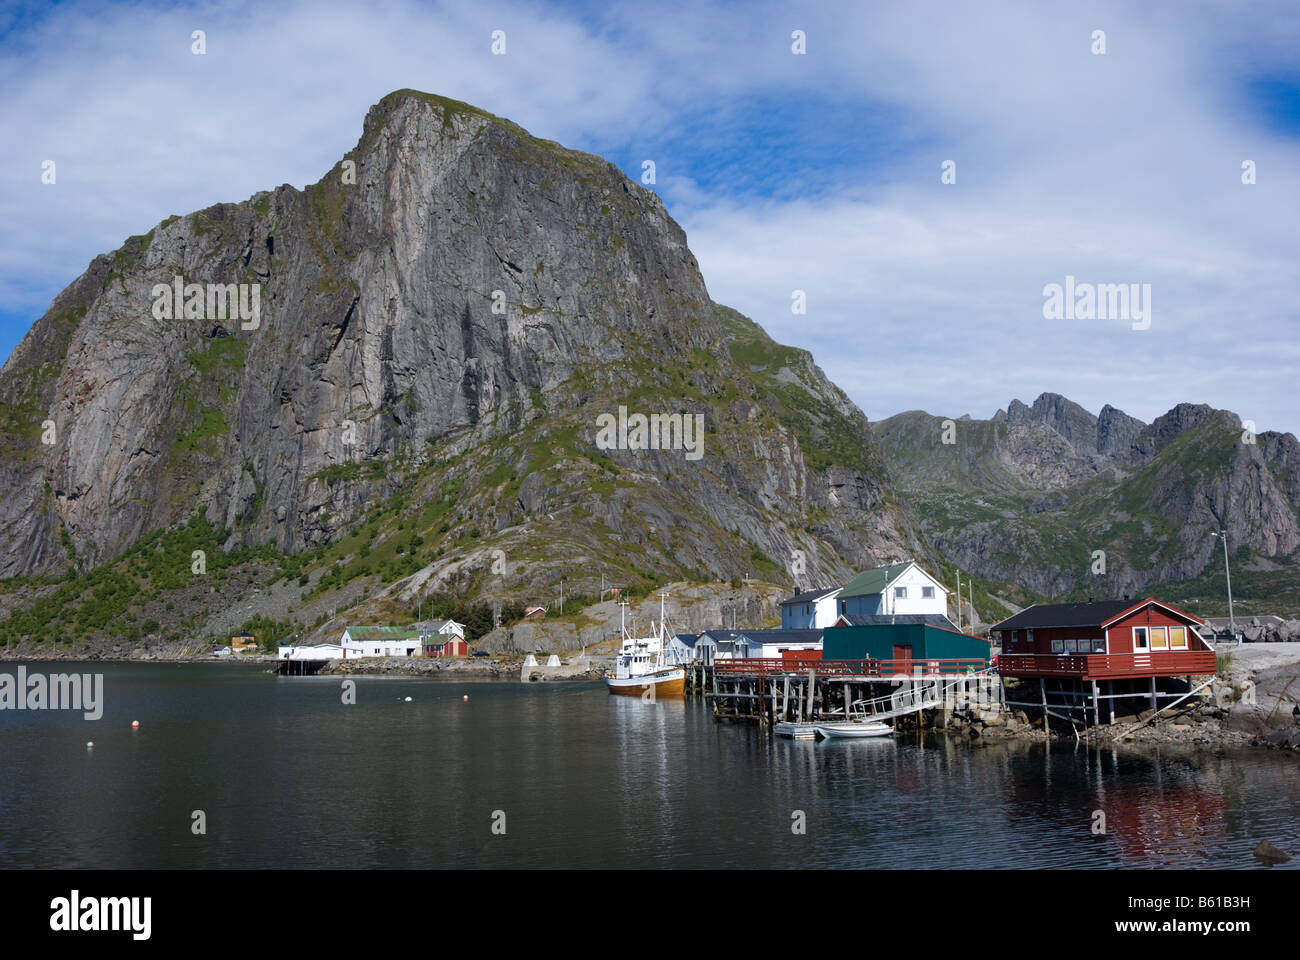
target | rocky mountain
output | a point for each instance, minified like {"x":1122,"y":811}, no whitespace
{"x":1030,"y":496}
{"x":432,"y":383}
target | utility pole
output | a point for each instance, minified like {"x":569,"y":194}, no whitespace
{"x":1232,"y":620}
{"x":958,"y":599}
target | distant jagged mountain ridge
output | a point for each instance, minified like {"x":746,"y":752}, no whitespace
{"x":444,"y":316}
{"x":1030,"y":494}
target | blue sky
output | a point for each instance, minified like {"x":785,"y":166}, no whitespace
{"x":818,"y":172}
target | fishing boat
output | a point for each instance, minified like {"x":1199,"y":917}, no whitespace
{"x":854,"y":729}
{"x":640,"y":665}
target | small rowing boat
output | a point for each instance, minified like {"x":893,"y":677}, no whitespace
{"x":854,"y":729}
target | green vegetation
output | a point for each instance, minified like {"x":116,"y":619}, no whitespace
{"x":352,"y":470}
{"x":268,"y":632}
{"x":106,"y":598}
{"x":826,"y":435}
{"x":220,"y":355}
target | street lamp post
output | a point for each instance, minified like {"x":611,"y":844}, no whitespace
{"x":1232,"y":620}
{"x":959,"y":599}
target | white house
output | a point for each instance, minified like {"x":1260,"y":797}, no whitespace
{"x":900,"y":588}
{"x":714,"y":645}
{"x":380,"y":642}
{"x":810,"y":610}
{"x":311,"y":651}
{"x":770,"y":644}
{"x":680,"y":649}
{"x":430,"y":628}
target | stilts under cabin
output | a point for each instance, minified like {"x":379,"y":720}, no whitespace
{"x":1075,"y":660}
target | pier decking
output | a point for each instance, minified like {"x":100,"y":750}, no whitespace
{"x":786,"y":695}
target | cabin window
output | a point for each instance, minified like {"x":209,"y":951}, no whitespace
{"x":1159,"y":639}
{"x":900,"y":593}
{"x":1178,"y":638}
{"x":927,"y":593}
{"x":1140,"y":640}
{"x":843,"y":604}
{"x":1029,"y":636}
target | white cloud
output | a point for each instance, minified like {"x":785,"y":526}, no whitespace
{"x":1122,"y":168}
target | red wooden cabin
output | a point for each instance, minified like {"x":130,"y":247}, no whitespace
{"x":445,"y":645}
{"x":1104,"y":640}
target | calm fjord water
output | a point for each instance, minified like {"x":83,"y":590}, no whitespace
{"x":290,"y":777}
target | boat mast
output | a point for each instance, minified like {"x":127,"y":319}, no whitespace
{"x":662,"y":638}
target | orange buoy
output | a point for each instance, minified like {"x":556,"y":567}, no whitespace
{"x":135,"y":723}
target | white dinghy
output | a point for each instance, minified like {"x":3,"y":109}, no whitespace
{"x":854,"y":729}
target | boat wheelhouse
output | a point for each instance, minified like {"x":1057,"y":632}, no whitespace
{"x":640,"y":667}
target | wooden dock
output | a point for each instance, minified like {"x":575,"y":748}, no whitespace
{"x":299,"y":668}
{"x":771,"y":692}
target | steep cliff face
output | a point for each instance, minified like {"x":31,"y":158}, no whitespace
{"x":1031,"y":495}
{"x":441,"y":322}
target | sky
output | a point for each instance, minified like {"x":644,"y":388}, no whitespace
{"x":819,"y":171}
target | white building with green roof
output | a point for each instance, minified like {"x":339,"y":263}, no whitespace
{"x":380,"y":642}
{"x":900,"y":588}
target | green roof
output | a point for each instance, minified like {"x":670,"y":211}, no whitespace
{"x":383,"y":633}
{"x":868,"y":583}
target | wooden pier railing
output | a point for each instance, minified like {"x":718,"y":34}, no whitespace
{"x":756,"y":667}
{"x":1113,"y":666}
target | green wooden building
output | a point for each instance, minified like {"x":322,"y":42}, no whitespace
{"x":902,"y":638}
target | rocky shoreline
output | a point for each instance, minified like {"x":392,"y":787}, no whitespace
{"x":481,"y":669}
{"x":1195,"y":723}
{"x":1255,"y":701}
{"x":37,"y":655}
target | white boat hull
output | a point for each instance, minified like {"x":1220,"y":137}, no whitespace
{"x":854,"y":730}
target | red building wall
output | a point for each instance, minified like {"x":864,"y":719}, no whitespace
{"x":446,"y":646}
{"x":1043,"y":639}
{"x":1121,"y":633}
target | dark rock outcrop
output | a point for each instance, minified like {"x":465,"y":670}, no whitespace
{"x":449,"y":309}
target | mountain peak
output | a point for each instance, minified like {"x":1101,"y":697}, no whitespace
{"x":1066,"y":417}
{"x":444,"y":322}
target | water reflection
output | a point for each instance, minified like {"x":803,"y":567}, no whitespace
{"x":290,"y":777}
